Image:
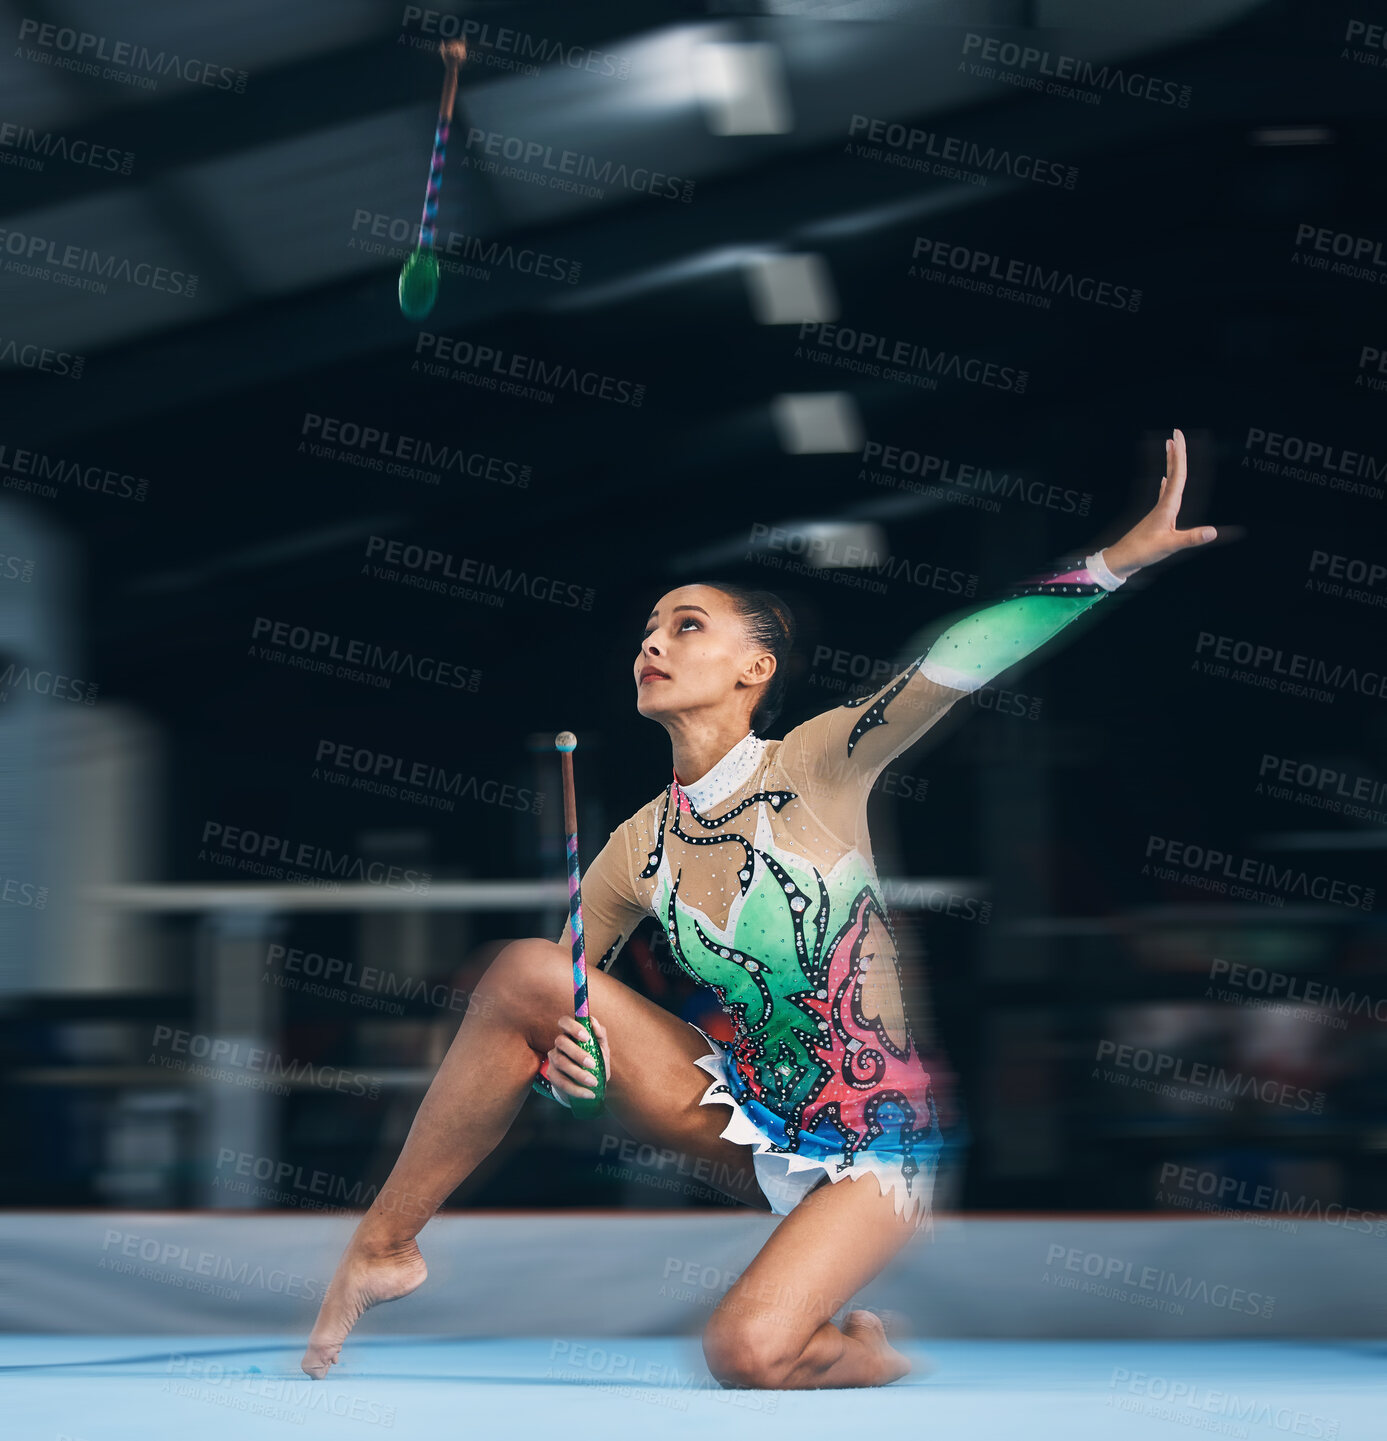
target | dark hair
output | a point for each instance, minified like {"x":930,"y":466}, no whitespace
{"x":770,"y":623}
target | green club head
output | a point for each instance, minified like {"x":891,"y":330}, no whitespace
{"x":418,"y":284}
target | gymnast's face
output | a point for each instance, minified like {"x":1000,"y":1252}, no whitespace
{"x":696,"y":656}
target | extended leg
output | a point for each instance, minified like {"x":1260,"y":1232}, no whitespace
{"x":771,"y":1330}
{"x":509,"y":1027}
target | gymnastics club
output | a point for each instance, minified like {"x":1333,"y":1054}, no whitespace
{"x":419,"y":273}
{"x":565,"y":743}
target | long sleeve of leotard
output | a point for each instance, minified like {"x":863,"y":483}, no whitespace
{"x":611,"y":911}
{"x":839,"y":753}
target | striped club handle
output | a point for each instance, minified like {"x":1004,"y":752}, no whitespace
{"x":575,"y":925}
{"x":565,"y":743}
{"x":429,"y":219}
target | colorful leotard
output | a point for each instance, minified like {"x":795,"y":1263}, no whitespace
{"x":761,"y":874}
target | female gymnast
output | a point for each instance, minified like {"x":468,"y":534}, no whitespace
{"x":757,"y":863}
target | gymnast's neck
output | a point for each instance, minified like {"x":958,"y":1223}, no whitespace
{"x":700,"y":741}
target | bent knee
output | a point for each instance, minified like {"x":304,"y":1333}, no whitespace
{"x":746,"y":1352}
{"x":528,"y":980}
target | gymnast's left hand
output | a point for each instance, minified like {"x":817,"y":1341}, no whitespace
{"x":1155,"y":536}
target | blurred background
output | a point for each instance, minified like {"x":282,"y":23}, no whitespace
{"x":880,"y":305}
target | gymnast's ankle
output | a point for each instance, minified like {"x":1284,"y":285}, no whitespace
{"x":384,"y":1233}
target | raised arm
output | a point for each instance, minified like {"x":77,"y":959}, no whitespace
{"x":611,"y":911}
{"x":838,"y":754}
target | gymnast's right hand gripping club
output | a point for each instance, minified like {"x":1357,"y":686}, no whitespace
{"x":565,"y":743}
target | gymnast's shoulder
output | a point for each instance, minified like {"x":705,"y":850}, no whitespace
{"x":641,"y":823}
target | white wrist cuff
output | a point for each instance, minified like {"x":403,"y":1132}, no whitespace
{"x":946,"y":675}
{"x":1098,"y":569}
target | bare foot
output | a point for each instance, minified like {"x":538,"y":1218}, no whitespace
{"x":898,"y":1328}
{"x":866,"y":1327}
{"x":365,"y":1277}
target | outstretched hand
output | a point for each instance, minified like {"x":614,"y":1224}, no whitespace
{"x":1155,"y":536}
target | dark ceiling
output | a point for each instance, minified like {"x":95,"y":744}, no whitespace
{"x":267,"y":196}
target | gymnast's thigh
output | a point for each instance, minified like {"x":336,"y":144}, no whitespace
{"x":654,"y":1090}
